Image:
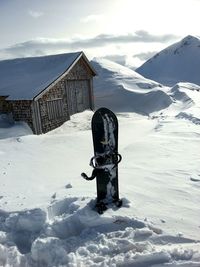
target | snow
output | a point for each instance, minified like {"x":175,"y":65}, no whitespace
{"x":115,"y":86}
{"x":181,"y":63}
{"x":24,"y":78}
{"x":47,"y":215}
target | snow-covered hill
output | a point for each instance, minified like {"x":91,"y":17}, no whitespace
{"x":123,"y":90}
{"x":179,"y":62}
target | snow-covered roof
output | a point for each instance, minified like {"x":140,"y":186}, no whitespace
{"x":25,"y":78}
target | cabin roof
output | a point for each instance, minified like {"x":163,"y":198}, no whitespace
{"x":25,"y":78}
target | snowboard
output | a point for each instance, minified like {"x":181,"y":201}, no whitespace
{"x":106,"y":158}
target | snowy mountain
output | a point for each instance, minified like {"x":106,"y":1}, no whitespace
{"x":179,"y":62}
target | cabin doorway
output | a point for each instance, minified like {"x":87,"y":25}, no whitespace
{"x":78,"y":96}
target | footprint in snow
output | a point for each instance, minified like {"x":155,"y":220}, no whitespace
{"x":53,"y":196}
{"x":68,"y":186}
{"x":195,"y":179}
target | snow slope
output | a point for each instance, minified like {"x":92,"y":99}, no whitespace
{"x":123,"y":90}
{"x":46,"y":208}
{"x":179,"y":62}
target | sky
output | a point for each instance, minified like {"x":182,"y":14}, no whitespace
{"x":127,"y":31}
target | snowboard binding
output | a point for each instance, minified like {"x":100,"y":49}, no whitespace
{"x":100,"y":162}
{"x":106,"y":159}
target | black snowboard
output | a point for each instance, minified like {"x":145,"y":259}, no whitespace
{"x":106,"y":158}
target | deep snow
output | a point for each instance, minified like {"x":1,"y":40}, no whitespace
{"x":46,"y":208}
{"x":123,"y":90}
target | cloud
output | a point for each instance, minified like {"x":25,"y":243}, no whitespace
{"x":145,"y":55}
{"x":120,"y":59}
{"x":144,"y":36}
{"x":42,"y":46}
{"x":91,"y":18}
{"x":35,"y":14}
{"x":139,"y":36}
{"x":39,"y":46}
{"x":125,"y":60}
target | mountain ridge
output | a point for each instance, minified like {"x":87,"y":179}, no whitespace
{"x":178,"y":62}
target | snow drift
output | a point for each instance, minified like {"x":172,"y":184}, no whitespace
{"x":179,"y":62}
{"x":123,"y":90}
{"x":75,"y":235}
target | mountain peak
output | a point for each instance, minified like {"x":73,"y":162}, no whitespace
{"x":179,"y":62}
{"x":187,"y":42}
{"x":190,"y":40}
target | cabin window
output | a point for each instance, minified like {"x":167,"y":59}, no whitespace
{"x":55,"y":108}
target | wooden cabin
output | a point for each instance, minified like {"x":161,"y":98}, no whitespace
{"x":45,"y":91}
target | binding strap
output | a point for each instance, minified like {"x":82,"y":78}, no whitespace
{"x":98,"y":161}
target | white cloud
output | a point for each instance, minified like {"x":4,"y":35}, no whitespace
{"x":35,"y":14}
{"x":92,"y":18}
{"x":100,"y":45}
